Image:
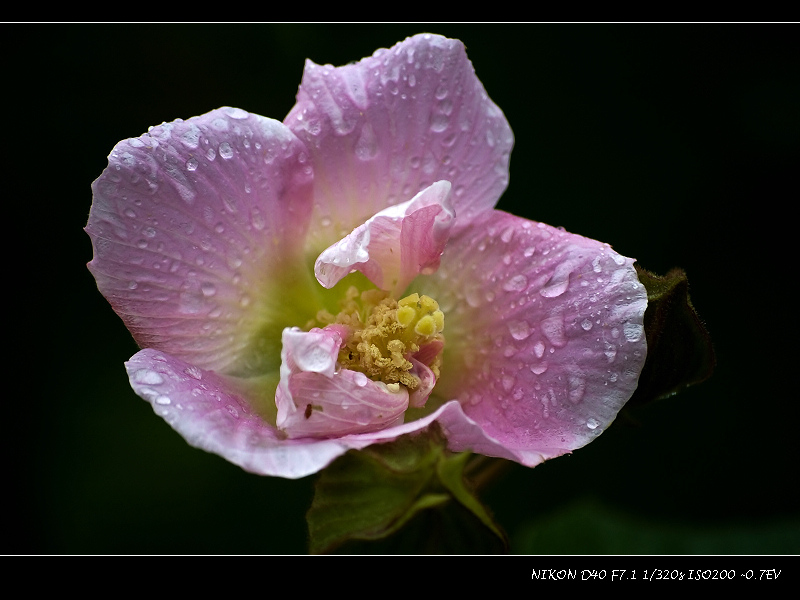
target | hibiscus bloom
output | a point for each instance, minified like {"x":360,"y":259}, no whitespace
{"x":342,"y":278}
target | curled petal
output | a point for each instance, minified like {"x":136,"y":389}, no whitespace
{"x":427,"y":380}
{"x":545,"y":338}
{"x":195,"y":226}
{"x":395,"y":245}
{"x":215,"y":413}
{"x":316,"y":400}
{"x":382,"y":129}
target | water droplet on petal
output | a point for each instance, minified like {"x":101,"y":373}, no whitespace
{"x":519,"y":330}
{"x":554,"y":290}
{"x":577,"y":388}
{"x":439,"y":122}
{"x":147,"y":377}
{"x":193,"y":372}
{"x":516,"y":283}
{"x":632,"y":331}
{"x":367,"y":144}
{"x":553,"y":330}
{"x":592,"y":423}
{"x":257,"y":219}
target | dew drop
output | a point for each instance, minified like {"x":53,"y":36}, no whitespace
{"x":553,"y":330}
{"x":367,"y":144}
{"x":439,"y":123}
{"x":610,"y":352}
{"x":592,"y":423}
{"x":162,"y":400}
{"x":632,"y":331}
{"x":208,"y":289}
{"x":147,"y":377}
{"x":538,"y":349}
{"x":193,"y":372}
{"x":472,"y":294}
{"x":225,"y":150}
{"x":596,"y":264}
{"x":257,"y":219}
{"x":577,"y":388}
{"x":586,"y":324}
{"x":191,"y":164}
{"x":539,"y":369}
{"x":516,"y":283}
{"x":519,"y":330}
{"x":554,"y":290}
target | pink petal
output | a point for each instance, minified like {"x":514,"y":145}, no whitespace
{"x":214,"y":413}
{"x":427,"y":380}
{"x":316,"y":400}
{"x":463,"y":434}
{"x":394,"y":246}
{"x":544,"y":338}
{"x":196,"y":227}
{"x":381,"y":130}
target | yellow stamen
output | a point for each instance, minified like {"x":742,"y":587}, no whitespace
{"x":384,"y":332}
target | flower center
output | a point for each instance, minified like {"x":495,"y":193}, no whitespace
{"x":386,"y":334}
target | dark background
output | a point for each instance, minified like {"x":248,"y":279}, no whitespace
{"x":674,"y":143}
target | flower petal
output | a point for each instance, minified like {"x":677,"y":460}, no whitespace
{"x":394,"y":246}
{"x":213,"y":413}
{"x":381,"y":130}
{"x":316,"y":400}
{"x":198,"y":229}
{"x":545,"y":339}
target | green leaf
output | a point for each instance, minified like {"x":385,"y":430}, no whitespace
{"x":679,"y":349}
{"x":406,"y":496}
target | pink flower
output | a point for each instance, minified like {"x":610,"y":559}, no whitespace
{"x":342,"y":278}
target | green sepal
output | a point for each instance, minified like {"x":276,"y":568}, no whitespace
{"x":407,"y":496}
{"x":679,"y":348}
